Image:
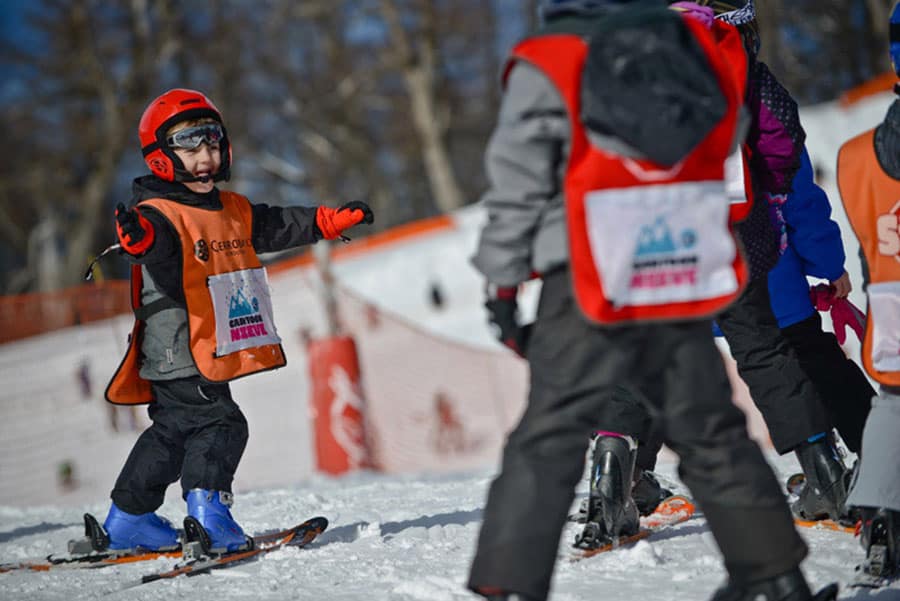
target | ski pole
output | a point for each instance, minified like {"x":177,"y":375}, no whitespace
{"x":89,"y":274}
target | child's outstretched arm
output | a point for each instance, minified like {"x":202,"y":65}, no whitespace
{"x":279,"y":228}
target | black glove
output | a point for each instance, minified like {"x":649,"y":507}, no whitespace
{"x":368,"y":215}
{"x":135,"y":233}
{"x":502,"y":313}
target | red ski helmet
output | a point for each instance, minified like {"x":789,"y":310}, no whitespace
{"x":174,"y":107}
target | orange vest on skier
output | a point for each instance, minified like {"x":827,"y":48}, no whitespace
{"x":872,"y":201}
{"x":231,"y":328}
{"x":648,"y":242}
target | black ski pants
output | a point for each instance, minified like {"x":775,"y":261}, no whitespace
{"x":198,"y":434}
{"x":574,"y":367}
{"x":843,"y":387}
{"x":779,"y":386}
{"x":798,"y":377}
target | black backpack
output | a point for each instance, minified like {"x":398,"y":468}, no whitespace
{"x":647,"y":80}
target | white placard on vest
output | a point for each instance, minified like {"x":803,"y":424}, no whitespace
{"x":734,"y":178}
{"x":243,"y":308}
{"x":884,"y":313}
{"x":663,"y":243}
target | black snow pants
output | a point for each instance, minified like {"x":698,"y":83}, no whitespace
{"x":843,"y":387}
{"x":792,"y":415}
{"x":198,"y":433}
{"x":574,"y":368}
{"x":785,"y":395}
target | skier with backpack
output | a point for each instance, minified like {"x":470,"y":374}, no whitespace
{"x":613,"y":190}
{"x":798,"y":374}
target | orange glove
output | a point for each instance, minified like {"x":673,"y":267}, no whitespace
{"x":331,"y":222}
{"x":135,"y":233}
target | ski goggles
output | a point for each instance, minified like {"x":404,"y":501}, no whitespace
{"x":190,"y":138}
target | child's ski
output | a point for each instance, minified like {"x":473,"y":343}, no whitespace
{"x":298,"y":536}
{"x":825,"y":525}
{"x":671,"y":511}
{"x":83,"y":553}
{"x":89,"y":551}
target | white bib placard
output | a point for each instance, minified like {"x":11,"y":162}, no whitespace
{"x":734,"y":178}
{"x":884,"y":311}
{"x":243,"y":309}
{"x":660,"y":244}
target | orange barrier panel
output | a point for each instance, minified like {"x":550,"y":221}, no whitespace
{"x":24,"y":315}
{"x":876,"y":85}
{"x":337,"y":400}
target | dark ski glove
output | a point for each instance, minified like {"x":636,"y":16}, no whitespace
{"x":135,"y":233}
{"x":502,"y":314}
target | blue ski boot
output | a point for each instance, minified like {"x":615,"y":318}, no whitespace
{"x":210,"y":508}
{"x":145,"y":531}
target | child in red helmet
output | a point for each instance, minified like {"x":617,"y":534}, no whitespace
{"x":203,"y":317}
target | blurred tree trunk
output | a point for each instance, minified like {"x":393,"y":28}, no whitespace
{"x":414,"y":54}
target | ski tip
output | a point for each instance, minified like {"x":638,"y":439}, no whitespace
{"x":309,"y":530}
{"x":676,"y":504}
{"x":825,"y":525}
{"x":318,"y":522}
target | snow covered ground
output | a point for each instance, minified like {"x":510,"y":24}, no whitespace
{"x":405,"y":538}
{"x":408,"y":537}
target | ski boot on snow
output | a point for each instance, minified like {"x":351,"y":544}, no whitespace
{"x":824,"y":494}
{"x":611,"y":510}
{"x":209,"y":527}
{"x":880,"y":537}
{"x":134,"y":531}
{"x":790,"y":586}
{"x":646,"y":491}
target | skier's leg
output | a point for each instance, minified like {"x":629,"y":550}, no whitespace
{"x":785,"y":395}
{"x":878,"y":481}
{"x":216,"y":442}
{"x":573,"y":366}
{"x":155,"y":460}
{"x":840,"y":382}
{"x":154,"y":463}
{"x":629,"y":412}
{"x":217,"y":438}
{"x":724,"y":469}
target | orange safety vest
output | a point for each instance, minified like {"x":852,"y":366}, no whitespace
{"x":872,"y":201}
{"x":656,"y":273}
{"x":231,"y":332}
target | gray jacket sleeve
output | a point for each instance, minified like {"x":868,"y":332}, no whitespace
{"x":525,"y":162}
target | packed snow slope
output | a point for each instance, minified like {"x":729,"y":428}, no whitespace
{"x":407,"y":537}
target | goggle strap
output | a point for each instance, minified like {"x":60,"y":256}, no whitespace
{"x":149,"y":148}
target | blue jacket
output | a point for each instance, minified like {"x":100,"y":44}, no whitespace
{"x":814,"y":248}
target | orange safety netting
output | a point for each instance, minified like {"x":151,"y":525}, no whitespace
{"x":24,"y":315}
